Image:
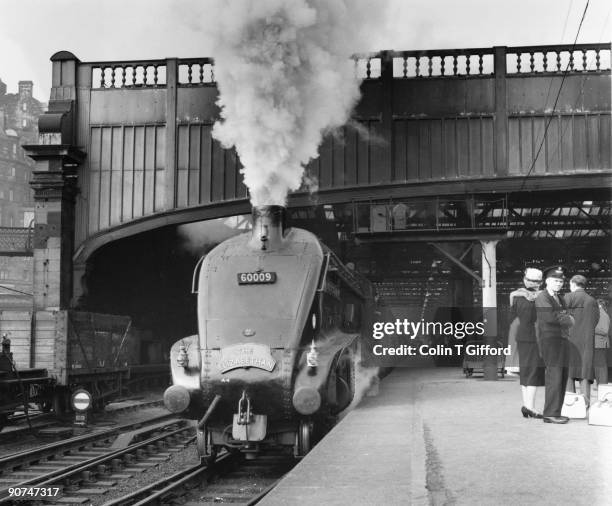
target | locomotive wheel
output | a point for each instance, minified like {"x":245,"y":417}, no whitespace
{"x":304,"y":438}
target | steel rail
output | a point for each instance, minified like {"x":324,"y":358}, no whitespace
{"x":151,"y":493}
{"x":53,"y":477}
{"x":165,"y":491}
{"x":23,"y":457}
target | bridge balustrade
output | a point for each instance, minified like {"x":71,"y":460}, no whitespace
{"x":16,"y":241}
{"x":429,"y":123}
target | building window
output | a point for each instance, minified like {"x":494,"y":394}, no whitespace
{"x":14,"y":149}
{"x":12,"y":171}
{"x":28,"y":218}
{"x":24,"y":123}
{"x":11,"y":195}
{"x":24,"y":107}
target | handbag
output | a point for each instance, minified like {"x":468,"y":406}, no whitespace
{"x":574,"y":405}
{"x":600,"y":413}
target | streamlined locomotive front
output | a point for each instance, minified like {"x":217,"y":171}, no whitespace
{"x":258,"y":372}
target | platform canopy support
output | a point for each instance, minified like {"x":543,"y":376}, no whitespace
{"x":489,"y":305}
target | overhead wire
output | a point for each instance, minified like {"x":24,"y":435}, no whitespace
{"x":565,"y":73}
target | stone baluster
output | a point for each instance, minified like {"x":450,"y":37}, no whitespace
{"x":404,"y":65}
{"x":518,"y":63}
{"x":429,"y":65}
{"x":201,"y":66}
{"x":545,"y":61}
{"x":190,"y":74}
{"x":584,"y":60}
{"x":467,"y":64}
{"x":442,"y":62}
{"x":571,"y":60}
{"x":123,"y":73}
{"x":155,"y":74}
{"x":418,"y":66}
{"x":558,"y":61}
{"x":597,"y":59}
{"x":454,"y":64}
{"x":368,"y":68}
{"x":480,"y":56}
{"x":531,"y":62}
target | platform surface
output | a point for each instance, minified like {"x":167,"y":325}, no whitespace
{"x":432,"y":436}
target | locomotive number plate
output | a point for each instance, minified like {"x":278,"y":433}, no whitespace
{"x":246,"y":355}
{"x":256,"y":278}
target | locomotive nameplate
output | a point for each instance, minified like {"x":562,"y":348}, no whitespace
{"x":246,"y":355}
{"x":256,"y":278}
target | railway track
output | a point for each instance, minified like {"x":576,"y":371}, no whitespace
{"x":40,"y":421}
{"x":230,"y":479}
{"x":80,"y":467}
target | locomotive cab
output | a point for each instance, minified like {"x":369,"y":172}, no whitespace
{"x":279,"y":319}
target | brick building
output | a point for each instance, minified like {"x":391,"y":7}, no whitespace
{"x":19,"y":114}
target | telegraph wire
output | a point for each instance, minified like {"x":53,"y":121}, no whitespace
{"x":583,"y":82}
{"x":565,"y":72}
{"x":552,"y":79}
{"x":3,"y":287}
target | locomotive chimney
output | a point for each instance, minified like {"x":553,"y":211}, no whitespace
{"x":269,"y":224}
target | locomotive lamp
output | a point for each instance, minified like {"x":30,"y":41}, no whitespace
{"x":312,"y":357}
{"x":182,"y":359}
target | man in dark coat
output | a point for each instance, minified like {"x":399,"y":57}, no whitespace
{"x":553,"y":324}
{"x":585,"y":311}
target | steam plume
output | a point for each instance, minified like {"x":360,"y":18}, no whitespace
{"x":285,"y":79}
{"x":201,"y":236}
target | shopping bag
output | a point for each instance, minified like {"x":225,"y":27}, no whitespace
{"x":574,"y":405}
{"x":603,"y":390}
{"x":600,"y":413}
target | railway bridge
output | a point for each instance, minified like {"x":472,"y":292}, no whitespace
{"x":446,"y":150}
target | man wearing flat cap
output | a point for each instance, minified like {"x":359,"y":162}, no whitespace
{"x":585,"y":312}
{"x":553,"y":323}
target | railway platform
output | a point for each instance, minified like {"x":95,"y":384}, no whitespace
{"x":432,"y":436}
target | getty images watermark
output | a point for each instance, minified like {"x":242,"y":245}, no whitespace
{"x":393,"y":342}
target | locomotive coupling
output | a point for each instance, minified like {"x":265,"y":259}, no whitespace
{"x":177,"y":398}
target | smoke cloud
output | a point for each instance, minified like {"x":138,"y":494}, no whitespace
{"x":200,"y":237}
{"x":285,"y":78}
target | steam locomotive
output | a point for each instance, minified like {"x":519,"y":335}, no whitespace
{"x":280,"y":320}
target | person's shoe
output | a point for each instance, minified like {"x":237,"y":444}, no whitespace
{"x":527,"y":413}
{"x":556,"y":419}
